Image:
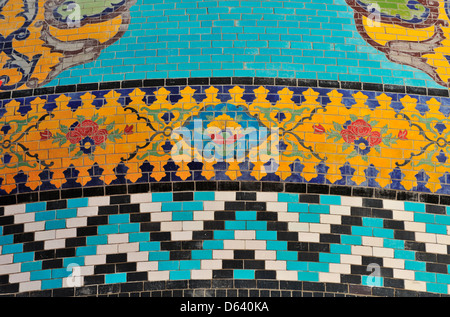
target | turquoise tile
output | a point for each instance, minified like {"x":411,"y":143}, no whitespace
{"x":433,"y":228}
{"x":66,"y":213}
{"x":244,"y":274}
{"x":412,"y":206}
{"x":288,"y":198}
{"x":168,"y":265}
{"x":129,"y":227}
{"x":423,"y":217}
{"x":442,"y":220}
{"x":162,"y":197}
{"x":34,"y":207}
{"x":330,"y":200}
{"x":96,"y":240}
{"x":23,"y":257}
{"x":405,"y":254}
{"x":437,"y":288}
{"x":394,"y":244}
{"x":73,"y":261}
{"x":51,"y":284}
{"x":415,"y":266}
{"x":287,"y":255}
{"x":245,"y":215}
{"x":298,"y":207}
{"x":61,"y":273}
{"x":352,"y":240}
{"x":256,"y":225}
{"x":40,"y":275}
{"x":329,"y":258}
{"x":159,"y":256}
{"x":204,"y":196}
{"x":117,"y":219}
{"x":340,"y":249}
{"x":201,"y":254}
{"x":55,"y":224}
{"x":180,"y":275}
{"x":373,"y":281}
{"x":318,"y":267}
{"x":213,"y":244}
{"x":183,"y":216}
{"x":31,"y":266}
{"x":87,"y":250}
{"x":319,"y":209}
{"x":45,"y":215}
{"x":77,"y":202}
{"x":308,"y":276}
{"x":139,"y":237}
{"x":190,"y":265}
{"x":192,"y":206}
{"x":150,"y":246}
{"x":425,"y":276}
{"x":296,"y":266}
{"x":276,"y":245}
{"x":314,"y":218}
{"x":8,"y":239}
{"x":372,"y":222}
{"x":362,"y":231}
{"x":12,"y":248}
{"x":443,"y":278}
{"x":223,"y":234}
{"x":108,"y":229}
{"x":266,"y":235}
{"x":115,"y":278}
{"x":235,"y":225}
{"x":383,"y":233}
{"x":172,"y":206}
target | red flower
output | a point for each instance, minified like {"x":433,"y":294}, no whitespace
{"x":360,"y":128}
{"x":402,"y":135}
{"x":100,"y":136}
{"x":46,"y":135}
{"x":318,"y":129}
{"x":348,"y":136}
{"x":128,"y":130}
{"x":374,"y":138}
{"x":87,"y":128}
{"x":74,"y":136}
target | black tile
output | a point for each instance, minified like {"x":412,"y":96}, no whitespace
{"x":171,"y":245}
{"x":255,"y":205}
{"x":287,"y":236}
{"x":138,"y":188}
{"x":394,"y":283}
{"x":6,"y":220}
{"x":52,"y":264}
{"x":295,"y":188}
{"x":97,"y":220}
{"x":436,"y":268}
{"x":429,"y":198}
{"x":312,"y":199}
{"x":307,"y":83}
{"x":426,"y":257}
{"x":438,"y":92}
{"x":108,"y":210}
{"x":8,"y":200}
{"x":244,"y":254}
{"x":382,"y":213}
{"x":329,"y":84}
{"x":129,"y":208}
{"x":366,"y":260}
{"x":132,"y":83}
{"x":44,"y":254}
{"x":64,"y":89}
{"x":140,"y":217}
{"x":351,"y":85}
{"x":267,"y":216}
{"x":9,"y":288}
{"x":44,"y":91}
{"x":87,"y":231}
{"x":64,"y":292}
{"x":116,"y":258}
{"x":339,"y":229}
{"x":254,"y":265}
{"x":7,"y":94}
{"x":220,"y":81}
{"x":246,"y":196}
{"x":93,"y":191}
{"x":408,"y":196}
{"x":33,"y":246}
{"x":183,"y":186}
{"x":87,"y":87}
{"x":416,"y":90}
{"x":361,"y":211}
{"x":351,"y":220}
{"x":394,"y":88}
{"x":180,"y":255}
{"x":126,"y":267}
{"x":272,"y":187}
{"x":22,"y":93}
{"x":160,"y":236}
{"x":443,"y":258}
{"x":110,"y":85}
{"x":350,"y":279}
{"x":27,"y":197}
{"x":161,"y":187}
{"x":116,"y":189}
{"x":415,"y":246}
{"x":24,"y":237}
{"x":222,"y":273}
{"x":198,"y":81}
{"x":232,"y":264}
{"x":385,"y":193}
{"x":206,"y":186}
{"x":371,"y":86}
{"x":261,"y":81}
{"x":224,"y":215}
{"x":318,"y":189}
{"x":318,"y":247}
{"x":71,"y":193}
{"x":369,"y":202}
{"x":363,"y":191}
{"x":336,"y":288}
{"x":228,"y":186}
{"x":330,"y":238}
{"x":308,"y":256}
{"x":76,"y":242}
{"x":242,"y":80}
{"x":151,"y":227}
{"x":314,"y":286}
{"x":393,"y":224}
{"x":176,"y":81}
{"x":341,"y":190}
{"x":65,"y":252}
{"x":383,"y":292}
{"x":183,"y":196}
{"x":199,"y":283}
{"x":251,"y":186}
{"x":117,"y":200}
{"x":12,"y":229}
{"x":436,"y":209}
{"x":203,"y":235}
{"x":234,"y":205}
{"x":292,"y":82}
{"x":154,"y":83}
{"x":92,"y":280}
{"x":268,"y":284}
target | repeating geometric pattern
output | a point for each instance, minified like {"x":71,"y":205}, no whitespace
{"x":170,"y":236}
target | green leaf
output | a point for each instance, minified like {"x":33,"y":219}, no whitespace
{"x":95,"y":117}
{"x":78,"y":154}
{"x":81,"y":118}
{"x":352,"y":155}
{"x":110,"y":126}
{"x":72,"y":147}
{"x":377,"y":148}
{"x":101,"y":121}
{"x":365,"y":158}
{"x":103,"y":145}
{"x":337,"y":126}
{"x":353,"y":117}
{"x":367,"y":118}
{"x":384,"y":130}
{"x":345,"y":146}
{"x":91,"y":156}
{"x":374,"y":123}
{"x":64,"y":129}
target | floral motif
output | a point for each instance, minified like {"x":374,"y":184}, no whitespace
{"x":46,"y":135}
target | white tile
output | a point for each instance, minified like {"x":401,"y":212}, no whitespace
{"x":351,"y":259}
{"x":340,"y":210}
{"x":29,"y":286}
{"x":287,"y":275}
{"x":276,"y":265}
{"x":394,"y":263}
{"x":329,"y":277}
{"x":98,"y":201}
{"x":441,"y":239}
{"x":76,"y":222}
{"x":340,"y":268}
{"x":415,"y":226}
{"x":403,"y":274}
{"x":181,"y":235}
{"x":372,"y":241}
{"x":416,"y":286}
{"x":201,"y":274}
{"x":255,"y":244}
{"x":192,"y":225}
{"x":14,"y":209}
{"x":265,"y":255}
{"x":24,"y":218}
{"x":436,"y":248}
{"x":265,"y":196}
{"x":45,"y":235}
{"x":351,"y":201}
{"x":128,"y":247}
{"x":95,"y":259}
{"x":66,"y":233}
{"x":211,"y":264}
{"x":107,"y":248}
{"x":171,"y":226}
{"x":320,"y":227}
{"x":277,"y":206}
{"x":425,"y":237}
{"x":158,"y":276}
{"x":223,"y":254}
{"x":55,"y":244}
{"x":34,"y":226}
{"x":233,"y":244}
{"x":383,"y":252}
{"x":86,"y":270}
{"x":117,"y":238}
{"x":204,"y":215}
{"x":6,"y":259}
{"x":19,"y":277}
{"x":213,"y":205}
{"x":10,"y":268}
{"x":402,"y":215}
{"x":393,"y":204}
{"x":298,"y":226}
{"x":331,"y":219}
{"x":161,"y":216}
{"x":140,"y":198}
{"x":288,"y":216}
{"x":308,"y":237}
{"x":137,"y":256}
{"x":361,"y":250}
{"x":150,"y":207}
{"x":146,"y":266}
{"x":225,"y":196}
{"x":87,"y":211}
{"x":244,"y":234}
